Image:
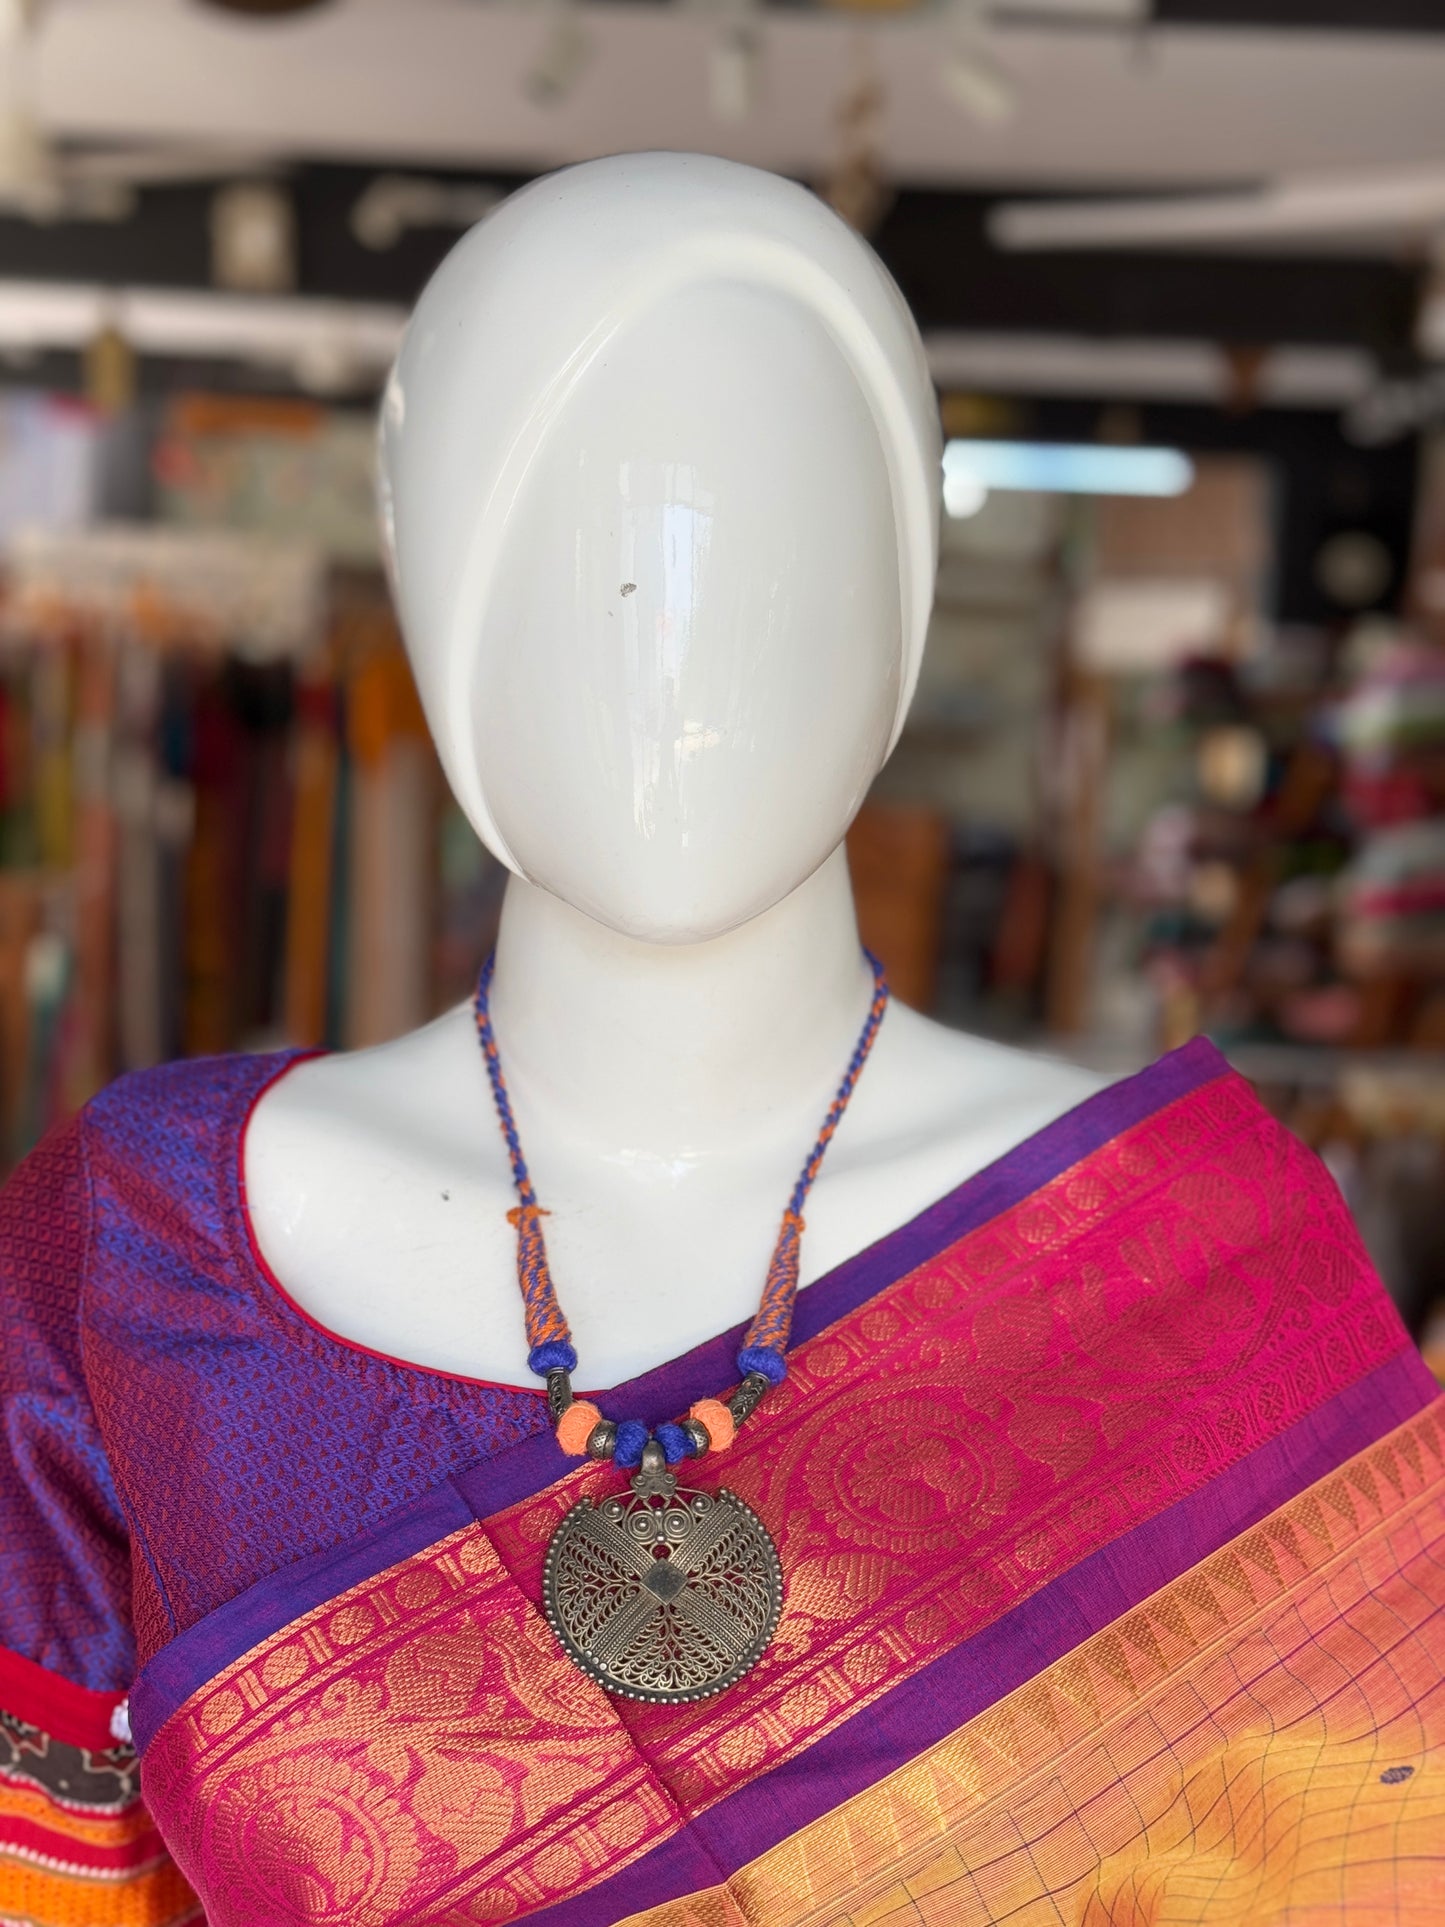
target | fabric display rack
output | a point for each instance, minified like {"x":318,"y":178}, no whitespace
{"x":221,"y":823}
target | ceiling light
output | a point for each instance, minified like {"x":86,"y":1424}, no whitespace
{"x":565,"y":55}
{"x":1371,"y":210}
{"x":973,"y":80}
{"x":1061,"y":468}
{"x":274,"y":7}
{"x":1138,"y":369}
{"x":734,"y":70}
{"x":393,"y":204}
{"x":734,"y":56}
{"x":1090,"y":13}
{"x":972,"y":74}
{"x":253,"y":238}
{"x":268,"y":331}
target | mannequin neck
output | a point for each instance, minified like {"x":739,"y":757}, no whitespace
{"x":671,"y":1050}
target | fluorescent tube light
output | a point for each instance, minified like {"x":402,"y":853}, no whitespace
{"x":1128,"y":369}
{"x":271,"y":330}
{"x":1059,"y":468}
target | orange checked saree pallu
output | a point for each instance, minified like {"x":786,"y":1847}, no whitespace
{"x":1108,"y":1494}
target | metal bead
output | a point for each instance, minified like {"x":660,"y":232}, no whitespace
{"x":654,"y":1459}
{"x":747,"y":1398}
{"x":696,"y":1433}
{"x":602,"y":1440}
{"x":559,"y":1393}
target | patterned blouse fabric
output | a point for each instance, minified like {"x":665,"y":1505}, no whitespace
{"x":1108,"y":1494}
{"x":148,"y":1360}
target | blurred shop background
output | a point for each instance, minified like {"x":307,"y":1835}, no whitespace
{"x":1177,"y":762}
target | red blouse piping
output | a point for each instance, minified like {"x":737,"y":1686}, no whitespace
{"x":269,"y":1278}
{"x":74,"y":1715}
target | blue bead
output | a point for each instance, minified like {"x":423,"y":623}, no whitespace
{"x":675,"y":1443}
{"x":632,"y":1436}
{"x":555,"y":1356}
{"x":769,"y":1365}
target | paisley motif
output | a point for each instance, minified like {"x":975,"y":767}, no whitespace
{"x":313,"y":1835}
{"x":937,"y":1461}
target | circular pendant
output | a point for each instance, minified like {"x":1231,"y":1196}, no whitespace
{"x":665,"y":1594}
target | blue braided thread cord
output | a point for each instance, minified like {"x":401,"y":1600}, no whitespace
{"x":548,"y":1338}
{"x":549,"y":1341}
{"x":767,"y":1337}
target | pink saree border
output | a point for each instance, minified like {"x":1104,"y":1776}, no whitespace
{"x":1191,"y":1300}
{"x":187,"y":1661}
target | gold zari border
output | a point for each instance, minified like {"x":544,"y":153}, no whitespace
{"x":1263,"y":1738}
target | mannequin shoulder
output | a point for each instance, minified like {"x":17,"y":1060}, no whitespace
{"x":415,"y":1100}
{"x":413,"y":1116}
{"x":956,"y":1101}
{"x":421,"y":1096}
{"x":940,"y":1060}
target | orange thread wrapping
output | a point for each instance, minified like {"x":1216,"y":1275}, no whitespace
{"x":576,"y":1426}
{"x":717,"y":1421}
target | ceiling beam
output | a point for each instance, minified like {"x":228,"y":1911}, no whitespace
{"x":1317,"y":16}
{"x":935,"y":242}
{"x":447,"y":83}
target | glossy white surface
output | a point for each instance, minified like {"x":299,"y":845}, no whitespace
{"x":679,"y":987}
{"x":659,"y":472}
{"x":665,"y":670}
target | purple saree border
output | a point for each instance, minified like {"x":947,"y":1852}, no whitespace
{"x":1044,"y":1628}
{"x":182,"y":1667}
{"x":185,"y":1663}
{"x":530,"y":1466}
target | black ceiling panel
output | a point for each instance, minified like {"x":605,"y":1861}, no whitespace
{"x":937,"y":247}
{"x":1351,"y":16}
{"x":935,"y":242}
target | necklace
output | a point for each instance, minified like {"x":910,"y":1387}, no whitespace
{"x":667,"y":1593}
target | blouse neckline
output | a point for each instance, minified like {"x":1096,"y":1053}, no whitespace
{"x":1007,"y":1181}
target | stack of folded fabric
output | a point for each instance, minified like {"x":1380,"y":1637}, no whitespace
{"x":1391,"y":729}
{"x":1392,"y":902}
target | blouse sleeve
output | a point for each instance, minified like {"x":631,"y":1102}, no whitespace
{"x":76,"y":1843}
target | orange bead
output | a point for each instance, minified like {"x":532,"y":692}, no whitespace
{"x":575,"y":1427}
{"x":717,"y":1421}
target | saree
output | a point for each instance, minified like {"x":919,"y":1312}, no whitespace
{"x":1108,"y":1498}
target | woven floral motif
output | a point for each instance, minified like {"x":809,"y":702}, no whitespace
{"x":1103,"y":1356}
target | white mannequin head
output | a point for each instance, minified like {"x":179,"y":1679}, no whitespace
{"x":659,"y":463}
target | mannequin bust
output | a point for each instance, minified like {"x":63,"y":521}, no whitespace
{"x":660,"y":486}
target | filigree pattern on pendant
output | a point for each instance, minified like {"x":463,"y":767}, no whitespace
{"x":665,"y":1594}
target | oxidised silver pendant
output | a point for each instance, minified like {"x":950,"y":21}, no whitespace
{"x":665,"y":1595}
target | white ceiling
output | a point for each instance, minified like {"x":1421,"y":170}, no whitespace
{"x":443,"y":81}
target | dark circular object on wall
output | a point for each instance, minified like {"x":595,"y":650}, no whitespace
{"x":1354,"y":568}
{"x":272,"y":7}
